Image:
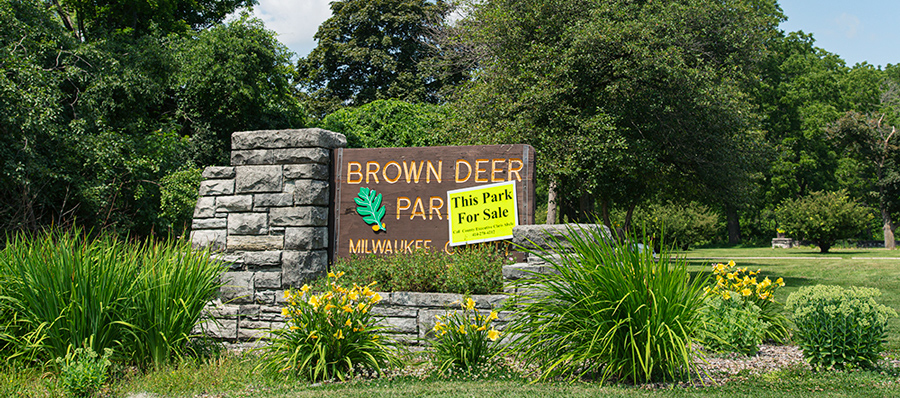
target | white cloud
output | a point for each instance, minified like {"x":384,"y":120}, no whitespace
{"x":849,"y":24}
{"x":295,"y":21}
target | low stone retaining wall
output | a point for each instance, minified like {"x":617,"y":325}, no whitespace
{"x":408,"y":316}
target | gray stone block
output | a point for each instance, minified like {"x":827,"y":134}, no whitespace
{"x":554,"y":236}
{"x":311,"y":192}
{"x":248,"y":309}
{"x":258,"y":179}
{"x":298,"y":267}
{"x":280,"y":156}
{"x":234,"y":203}
{"x":247,"y":223}
{"x":254,"y":243}
{"x":305,"y":238}
{"x":268,"y":280}
{"x":237,"y":287}
{"x":206,"y":207}
{"x":307,"y":216}
{"x":213,"y":238}
{"x":264,"y":297}
{"x":262,"y":259}
{"x":216,"y":187}
{"x":293,"y":138}
{"x":400,"y":325}
{"x":217,"y":172}
{"x":208,"y":223}
{"x":222,"y":329}
{"x":273,"y":200}
{"x":311,"y":171}
{"x":394,"y":311}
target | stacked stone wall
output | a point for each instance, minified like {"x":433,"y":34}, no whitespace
{"x":267,"y":215}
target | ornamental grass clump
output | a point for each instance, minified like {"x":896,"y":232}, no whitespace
{"x":839,"y":328}
{"x":464,"y":339}
{"x":744,"y":291}
{"x":328,"y":335}
{"x":608,"y":310}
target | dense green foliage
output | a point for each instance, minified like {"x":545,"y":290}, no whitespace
{"x":92,"y":130}
{"x":839,"y":328}
{"x":608,"y":309}
{"x":63,"y":289}
{"x":678,"y":225}
{"x":823,"y":217}
{"x":376,"y":49}
{"x":83,"y":372}
{"x":476,"y":269}
{"x":389,"y":123}
{"x":329,"y":335}
{"x":731,"y":325}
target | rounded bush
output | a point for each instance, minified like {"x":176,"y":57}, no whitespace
{"x":837,"y":327}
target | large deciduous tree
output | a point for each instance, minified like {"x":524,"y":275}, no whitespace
{"x":376,"y":49}
{"x":619,"y":97}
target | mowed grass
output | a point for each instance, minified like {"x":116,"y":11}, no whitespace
{"x":876,"y":269}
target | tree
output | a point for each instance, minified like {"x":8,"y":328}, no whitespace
{"x":91,"y":19}
{"x":618,"y":97}
{"x":874,"y":144}
{"x":375,"y":49}
{"x":823,"y":217}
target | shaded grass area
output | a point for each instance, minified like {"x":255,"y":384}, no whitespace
{"x":806,"y":251}
{"x":233,"y":376}
{"x":883,"y":274}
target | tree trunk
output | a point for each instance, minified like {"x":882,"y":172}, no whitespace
{"x":551,"y":202}
{"x":586,"y":208}
{"x":889,"y":242}
{"x":734,"y":224}
{"x":628,"y":214}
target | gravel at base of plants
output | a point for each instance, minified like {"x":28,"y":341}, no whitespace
{"x":768,"y":359}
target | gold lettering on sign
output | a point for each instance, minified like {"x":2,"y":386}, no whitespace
{"x":351,"y":173}
{"x":479,"y":170}
{"x":384,"y":172}
{"x":436,"y":172}
{"x":404,"y":206}
{"x":494,"y":169}
{"x":418,"y":209}
{"x":515,"y":170}
{"x":435,"y":209}
{"x":412,"y":172}
{"x":461,"y":162}
{"x":372,"y":172}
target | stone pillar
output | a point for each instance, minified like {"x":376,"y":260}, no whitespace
{"x":268,"y":213}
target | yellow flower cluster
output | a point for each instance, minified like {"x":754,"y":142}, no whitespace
{"x":740,"y":282}
{"x":470,"y":319}
{"x":334,"y":313}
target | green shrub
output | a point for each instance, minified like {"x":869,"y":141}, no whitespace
{"x":178,"y":193}
{"x":731,"y":325}
{"x":474,"y":269}
{"x":837,"y":327}
{"x":682,"y":225}
{"x":741,"y":284}
{"x":64,"y":288}
{"x":464,"y":339}
{"x":608,"y":310}
{"x":823,"y":217}
{"x":328,"y":335}
{"x":83,"y":372}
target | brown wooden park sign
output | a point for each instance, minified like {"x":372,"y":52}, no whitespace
{"x":395,"y":200}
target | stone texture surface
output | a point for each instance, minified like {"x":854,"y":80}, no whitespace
{"x":313,"y":192}
{"x":216,"y":187}
{"x":282,"y":199}
{"x":298,"y":267}
{"x":258,"y":179}
{"x":218,"y":172}
{"x":208,"y":223}
{"x":296,"y":138}
{"x":307,"y":216}
{"x":234,"y":203}
{"x":254,"y":243}
{"x":280,"y":156}
{"x":238,"y":287}
{"x":312,"y":171}
{"x":305,"y":238}
{"x":270,"y":258}
{"x":544,"y":236}
{"x":214,"y":238}
{"x":206,"y":207}
{"x":247,"y":223}
{"x":268,"y":279}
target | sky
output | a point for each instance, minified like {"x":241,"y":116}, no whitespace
{"x":856,"y":30}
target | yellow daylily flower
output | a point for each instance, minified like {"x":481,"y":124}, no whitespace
{"x":376,"y":298}
{"x":492,"y":316}
{"x":493,"y":334}
{"x":305,"y":288}
{"x":470,"y":304}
